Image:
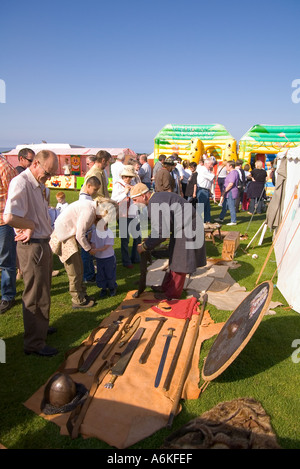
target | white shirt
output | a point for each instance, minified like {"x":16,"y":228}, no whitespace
{"x":205,"y":177}
{"x":60,"y":207}
{"x":76,"y":220}
{"x":101,"y":239}
{"x":25,"y":199}
{"x":116,"y":169}
{"x":126,"y":207}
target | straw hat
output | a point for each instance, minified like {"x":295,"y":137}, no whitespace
{"x":128,"y":170}
{"x":138,"y":189}
{"x":169,"y":161}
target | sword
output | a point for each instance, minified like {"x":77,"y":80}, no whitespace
{"x":164,"y":356}
{"x":101,"y":343}
{"x":120,"y":367}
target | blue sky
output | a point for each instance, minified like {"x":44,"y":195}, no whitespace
{"x":112,"y":74}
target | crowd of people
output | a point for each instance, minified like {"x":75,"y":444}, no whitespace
{"x":31,"y":231}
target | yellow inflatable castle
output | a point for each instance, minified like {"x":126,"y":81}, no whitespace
{"x":190,"y":142}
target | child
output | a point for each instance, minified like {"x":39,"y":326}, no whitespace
{"x":191,"y":187}
{"x":61,"y":202}
{"x":89,"y":189}
{"x":102,"y":248}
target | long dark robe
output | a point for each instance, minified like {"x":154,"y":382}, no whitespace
{"x":173,"y":223}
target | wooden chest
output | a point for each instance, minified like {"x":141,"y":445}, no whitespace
{"x":230,"y":244}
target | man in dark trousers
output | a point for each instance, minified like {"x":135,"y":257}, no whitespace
{"x":26,"y":211}
{"x":173,"y":217}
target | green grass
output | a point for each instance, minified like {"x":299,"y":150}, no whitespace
{"x":264,"y":370}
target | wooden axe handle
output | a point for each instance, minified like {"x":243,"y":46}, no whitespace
{"x":188,"y":364}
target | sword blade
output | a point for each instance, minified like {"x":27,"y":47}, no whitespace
{"x":163,"y":358}
{"x":121,"y":365}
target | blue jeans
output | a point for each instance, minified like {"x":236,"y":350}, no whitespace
{"x":106,"y":273}
{"x":8,"y":259}
{"x":229,"y":203}
{"x":203,"y":198}
{"x":125,"y":232}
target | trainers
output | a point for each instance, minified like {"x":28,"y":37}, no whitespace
{"x":230,"y":224}
{"x":113,"y":292}
{"x":5,"y":305}
{"x":219,"y":220}
{"x":86,"y":304}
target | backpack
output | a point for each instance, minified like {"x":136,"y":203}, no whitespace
{"x":242,"y":180}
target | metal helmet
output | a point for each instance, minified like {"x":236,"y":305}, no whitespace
{"x":60,"y":390}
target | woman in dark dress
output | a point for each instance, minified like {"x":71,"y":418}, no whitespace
{"x":256,"y":188}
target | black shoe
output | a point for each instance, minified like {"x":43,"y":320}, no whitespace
{"x":51,"y":330}
{"x":157,"y":289}
{"x":44,"y":352}
{"x":5,"y":305}
{"x":103,"y":293}
{"x":113,"y":292}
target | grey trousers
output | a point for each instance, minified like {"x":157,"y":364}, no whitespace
{"x":35,"y":261}
{"x":74,"y":269}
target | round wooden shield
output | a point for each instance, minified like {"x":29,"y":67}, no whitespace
{"x":237,"y":331}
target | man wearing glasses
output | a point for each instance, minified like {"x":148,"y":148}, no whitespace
{"x":26,"y":211}
{"x":25,"y":157}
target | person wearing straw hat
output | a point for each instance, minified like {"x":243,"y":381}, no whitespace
{"x":127,"y":212}
{"x":175,"y":218}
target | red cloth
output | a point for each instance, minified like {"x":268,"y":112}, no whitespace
{"x":173,"y":284}
{"x":180,"y":309}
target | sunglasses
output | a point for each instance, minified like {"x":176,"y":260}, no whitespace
{"x":27,"y":159}
{"x":48,"y":175}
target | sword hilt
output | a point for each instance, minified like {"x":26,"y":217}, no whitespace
{"x":111,"y":382}
{"x":170,"y":333}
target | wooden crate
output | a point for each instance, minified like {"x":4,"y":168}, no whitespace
{"x":230,"y":244}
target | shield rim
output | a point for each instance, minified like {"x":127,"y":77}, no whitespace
{"x":246,"y":340}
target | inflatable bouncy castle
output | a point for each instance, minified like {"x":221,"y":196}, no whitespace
{"x":264,"y":142}
{"x":268,"y":140}
{"x":190,"y":142}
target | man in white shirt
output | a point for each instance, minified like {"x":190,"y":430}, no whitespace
{"x":205,"y":180}
{"x":117,"y":167}
{"x":26,"y":210}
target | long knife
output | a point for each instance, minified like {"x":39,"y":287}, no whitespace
{"x":121,"y":365}
{"x":101,"y":343}
{"x":164,"y":356}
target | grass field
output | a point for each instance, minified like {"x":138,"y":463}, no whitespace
{"x":264,"y":370}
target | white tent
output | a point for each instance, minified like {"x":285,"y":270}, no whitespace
{"x":287,"y":235}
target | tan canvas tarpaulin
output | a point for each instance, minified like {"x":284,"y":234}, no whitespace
{"x":134,"y":409}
